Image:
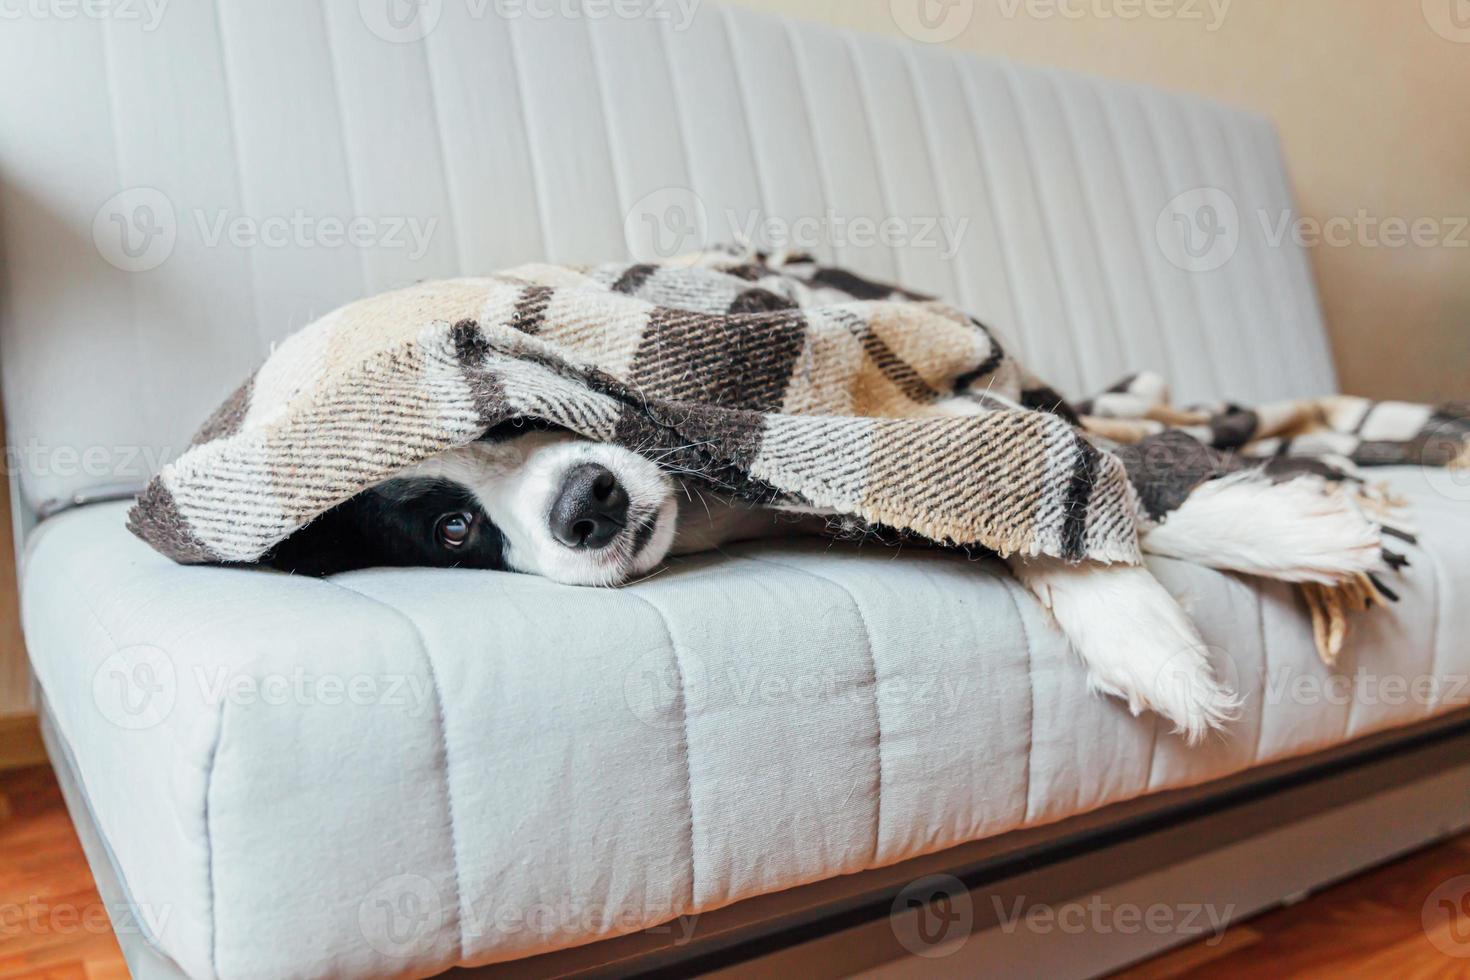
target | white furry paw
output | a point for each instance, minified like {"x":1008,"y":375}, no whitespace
{"x":1137,"y":643}
{"x":1303,"y":530}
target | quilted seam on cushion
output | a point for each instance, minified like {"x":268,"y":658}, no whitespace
{"x":1065,"y":283}
{"x":1151,"y":290}
{"x":873,"y":686}
{"x":1010,"y":588}
{"x":694,"y":896}
{"x":443,"y":727}
{"x":213,"y":918}
{"x":1437,"y":622}
{"x":1265,"y":676}
{"x":141,"y":922}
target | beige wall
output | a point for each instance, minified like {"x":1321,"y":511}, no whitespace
{"x":1373,"y":101}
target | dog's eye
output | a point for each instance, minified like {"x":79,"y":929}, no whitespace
{"x":453,"y":530}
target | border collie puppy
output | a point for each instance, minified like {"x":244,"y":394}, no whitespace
{"x":526,"y":498}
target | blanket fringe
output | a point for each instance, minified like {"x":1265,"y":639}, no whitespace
{"x":1331,"y":605}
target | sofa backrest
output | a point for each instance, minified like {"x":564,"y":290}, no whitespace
{"x":181,"y":185}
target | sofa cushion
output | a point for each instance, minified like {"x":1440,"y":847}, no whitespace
{"x":469,"y":767}
{"x":1047,"y":204}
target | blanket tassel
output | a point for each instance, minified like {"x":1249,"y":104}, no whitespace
{"x":1331,"y":605}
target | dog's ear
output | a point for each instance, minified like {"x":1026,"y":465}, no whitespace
{"x":332,"y":543}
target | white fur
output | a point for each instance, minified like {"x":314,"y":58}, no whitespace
{"x":1135,"y":640}
{"x":1302,"y":530}
{"x":518,"y":480}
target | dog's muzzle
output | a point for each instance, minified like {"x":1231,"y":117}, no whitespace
{"x":591,"y":510}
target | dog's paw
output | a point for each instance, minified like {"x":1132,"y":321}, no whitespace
{"x":1136,"y":641}
{"x":1183,"y":688}
{"x":1302,"y":530}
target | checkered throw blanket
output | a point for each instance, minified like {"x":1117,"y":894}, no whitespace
{"x":778,"y":381}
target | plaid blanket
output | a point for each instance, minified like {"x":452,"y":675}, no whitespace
{"x":791,"y":384}
{"x":775,"y":380}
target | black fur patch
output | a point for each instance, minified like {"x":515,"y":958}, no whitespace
{"x":392,"y":525}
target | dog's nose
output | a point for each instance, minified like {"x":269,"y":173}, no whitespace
{"x":591,"y":509}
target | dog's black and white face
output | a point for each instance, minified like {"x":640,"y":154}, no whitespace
{"x":543,"y":502}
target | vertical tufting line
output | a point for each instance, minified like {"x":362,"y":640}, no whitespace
{"x":1258,"y":316}
{"x":680,"y":120}
{"x":441,"y":711}
{"x":1238,"y":387}
{"x":1285,"y":310}
{"x":620,"y":179}
{"x":336,"y":72}
{"x":1306,"y":325}
{"x":550,"y":253}
{"x":1151,"y":129}
{"x":438,"y":118}
{"x":1228,"y":382}
{"x":1306,"y":284}
{"x":857,"y":607}
{"x":684,"y":734}
{"x":1166,"y":343}
{"x":961,"y":289}
{"x":742,"y":89}
{"x":114,"y":119}
{"x":213,"y":757}
{"x":1260,"y":596}
{"x":1120,"y":335}
{"x":1021,"y":329}
{"x":1048,"y":236}
{"x":1009,"y":584}
{"x":236,"y":152}
{"x":804,"y":94}
{"x":899,"y":255}
{"x":1436,"y":632}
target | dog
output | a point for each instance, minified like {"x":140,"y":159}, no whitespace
{"x":543,"y":501}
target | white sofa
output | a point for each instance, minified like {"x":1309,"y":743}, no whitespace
{"x":399,"y":772}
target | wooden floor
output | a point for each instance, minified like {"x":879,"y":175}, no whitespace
{"x":52,"y":923}
{"x":53,"y":926}
{"x":1370,"y":927}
